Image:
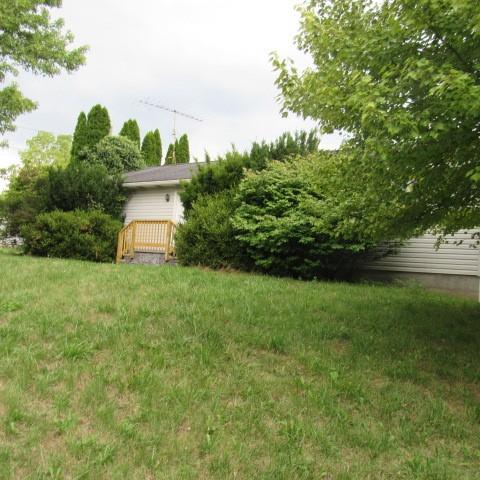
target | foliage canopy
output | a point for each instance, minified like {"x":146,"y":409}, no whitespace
{"x":402,"y":79}
{"x":98,"y":126}
{"x":46,"y":149}
{"x":227,"y":171}
{"x":31,"y":40}
{"x":150,"y":150}
{"x":292,"y":220}
{"x":24,"y":199}
{"x":79,"y":137}
{"x":169,"y":157}
{"x":131,"y":130}
{"x":117,"y":154}
{"x":183,"y":150}
{"x":82,"y":186}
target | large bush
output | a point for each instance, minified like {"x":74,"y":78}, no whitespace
{"x":25,"y":198}
{"x":227,"y":172}
{"x":296,"y":218}
{"x":85,"y":187}
{"x":214,"y":178}
{"x":117,"y":154}
{"x":208,"y":237}
{"x":80,"y":235}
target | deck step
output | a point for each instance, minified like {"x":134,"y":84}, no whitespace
{"x":150,"y":258}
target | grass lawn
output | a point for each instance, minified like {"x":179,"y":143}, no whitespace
{"x":137,"y":372}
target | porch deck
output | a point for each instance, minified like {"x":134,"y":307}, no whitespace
{"x":146,"y":236}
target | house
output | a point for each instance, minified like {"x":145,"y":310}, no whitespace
{"x":154,"y":208}
{"x":154,"y":192}
{"x":454,"y":267}
{"x":152,"y":211}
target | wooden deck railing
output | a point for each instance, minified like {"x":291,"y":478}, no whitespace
{"x":156,"y":236}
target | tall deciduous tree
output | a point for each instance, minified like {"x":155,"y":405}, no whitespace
{"x":79,"y":136}
{"x":183,"y":150}
{"x":46,"y":149}
{"x":402,"y":79}
{"x":131,"y":130}
{"x":98,"y":125}
{"x":149,"y":150}
{"x":31,"y":40}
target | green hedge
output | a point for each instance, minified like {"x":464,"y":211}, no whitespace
{"x":85,"y":235}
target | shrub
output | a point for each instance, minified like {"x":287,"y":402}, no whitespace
{"x":80,"y":235}
{"x":117,"y":154}
{"x":227,"y":172}
{"x":85,"y":187}
{"x":214,"y":178}
{"x":25,"y":198}
{"x":294,"y":219}
{"x":207,"y":237}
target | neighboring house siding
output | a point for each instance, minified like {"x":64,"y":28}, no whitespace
{"x":419,"y":255}
{"x":452,"y":268}
{"x":151,"y":204}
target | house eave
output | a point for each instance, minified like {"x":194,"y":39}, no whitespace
{"x":155,"y":183}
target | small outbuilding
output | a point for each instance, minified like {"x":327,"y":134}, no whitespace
{"x":154,"y":193}
{"x":152,"y":212}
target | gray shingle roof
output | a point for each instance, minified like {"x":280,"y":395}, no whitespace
{"x":181,"y":171}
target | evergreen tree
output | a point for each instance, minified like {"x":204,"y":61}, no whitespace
{"x":169,"y":157}
{"x":98,"y":125}
{"x":182,"y":153}
{"x":158,"y":141}
{"x":117,"y":154}
{"x":149,"y":150}
{"x":79,"y":136}
{"x":131,"y":130}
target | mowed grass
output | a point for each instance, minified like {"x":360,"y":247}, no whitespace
{"x":138,"y":372}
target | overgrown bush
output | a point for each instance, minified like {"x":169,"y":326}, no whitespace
{"x":207,"y":237}
{"x":213,"y":178}
{"x":85,"y":187}
{"x":227,"y":172}
{"x":81,"y":235}
{"x":295,"y":219}
{"x":116,"y":154}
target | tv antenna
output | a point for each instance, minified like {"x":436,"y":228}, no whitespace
{"x":175,"y":113}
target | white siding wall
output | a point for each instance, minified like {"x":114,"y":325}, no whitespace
{"x":420,"y":256}
{"x":151,"y":204}
{"x":177,"y":215}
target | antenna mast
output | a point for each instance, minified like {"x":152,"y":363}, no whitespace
{"x":175,"y":113}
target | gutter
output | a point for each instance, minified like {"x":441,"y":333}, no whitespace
{"x":155,"y":183}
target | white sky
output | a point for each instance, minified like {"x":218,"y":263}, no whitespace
{"x":209,"y":58}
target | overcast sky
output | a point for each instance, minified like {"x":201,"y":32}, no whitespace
{"x":208,"y":58}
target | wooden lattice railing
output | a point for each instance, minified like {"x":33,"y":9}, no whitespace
{"x":155,"y":236}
